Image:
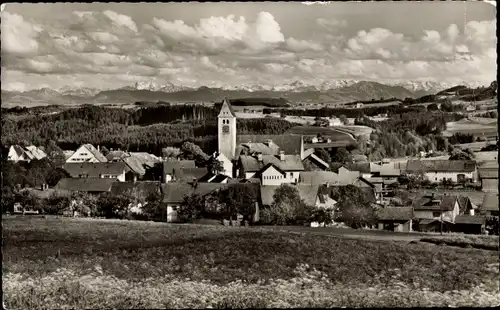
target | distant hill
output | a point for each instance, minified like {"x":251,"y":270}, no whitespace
{"x":362,"y":91}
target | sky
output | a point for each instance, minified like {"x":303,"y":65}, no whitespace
{"x":111,"y":45}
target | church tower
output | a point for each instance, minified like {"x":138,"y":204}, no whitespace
{"x":227,"y":130}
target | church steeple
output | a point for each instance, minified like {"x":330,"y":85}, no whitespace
{"x":227,"y":130}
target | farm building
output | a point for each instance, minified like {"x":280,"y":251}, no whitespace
{"x":106,"y":170}
{"x":469,"y":224}
{"x":87,"y":153}
{"x":395,"y":218}
{"x":85,"y":185}
{"x":488,"y":175}
{"x":433,"y":207}
{"x":18,"y":153}
{"x":437,"y":170}
{"x":489,"y":207}
{"x":252,"y":166}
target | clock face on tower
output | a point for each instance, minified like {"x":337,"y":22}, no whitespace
{"x":225,"y":129}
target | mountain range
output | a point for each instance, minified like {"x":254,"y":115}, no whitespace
{"x":328,"y":92}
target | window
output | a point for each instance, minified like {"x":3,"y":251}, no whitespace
{"x":436,"y":214}
{"x":291,"y":174}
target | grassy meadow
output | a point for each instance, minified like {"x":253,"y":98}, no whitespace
{"x":82,"y":263}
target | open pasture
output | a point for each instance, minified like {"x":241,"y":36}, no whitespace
{"x":76,"y":263}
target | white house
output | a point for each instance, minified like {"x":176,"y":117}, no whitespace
{"x":227,"y":165}
{"x":437,"y":170}
{"x":87,"y":153}
{"x":272,"y":175}
{"x":254,"y":166}
{"x":334,"y":121}
{"x":113,"y":170}
{"x":19,"y":153}
{"x":434,"y":207}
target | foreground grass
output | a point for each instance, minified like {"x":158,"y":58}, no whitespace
{"x":480,"y":242}
{"x":58,"y":263}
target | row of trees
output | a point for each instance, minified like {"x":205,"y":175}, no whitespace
{"x":351,"y":113}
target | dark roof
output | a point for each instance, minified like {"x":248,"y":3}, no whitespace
{"x":464,"y":203}
{"x":85,"y":184}
{"x":114,"y":155}
{"x":290,"y":144}
{"x":441,"y":165}
{"x":252,"y":164}
{"x":94,"y":170}
{"x":188,"y":174}
{"x":212,"y":178}
{"x":170,"y":165}
{"x":470,"y":219}
{"x":444,"y":203}
{"x":174,"y":192}
{"x":490,"y":202}
{"x":395,"y":213}
{"x":318,"y":160}
{"x":143,"y":189}
{"x":134,"y":165}
{"x":361,"y":167}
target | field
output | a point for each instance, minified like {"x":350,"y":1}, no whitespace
{"x":77,"y":263}
{"x":476,"y":127}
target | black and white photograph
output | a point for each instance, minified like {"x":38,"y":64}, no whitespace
{"x":220,"y":155}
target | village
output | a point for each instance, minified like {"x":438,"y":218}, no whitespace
{"x":454,"y":195}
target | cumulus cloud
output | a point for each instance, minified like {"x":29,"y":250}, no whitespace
{"x":101,"y":49}
{"x":18,"y":36}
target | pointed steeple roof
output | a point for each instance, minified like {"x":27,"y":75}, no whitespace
{"x":226,"y":107}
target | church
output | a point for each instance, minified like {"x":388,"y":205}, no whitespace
{"x":272,"y":159}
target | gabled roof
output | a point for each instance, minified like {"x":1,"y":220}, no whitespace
{"x":446,"y":203}
{"x":252,"y":164}
{"x":308,"y":193}
{"x":395,"y":213}
{"x":174,"y":192}
{"x":269,"y":165}
{"x":465,"y":204}
{"x":85,"y":184}
{"x":289,"y":143}
{"x":489,"y":164}
{"x":226,"y":108}
{"x":35,"y":152}
{"x":141,"y":189}
{"x":212,"y":178}
{"x":490,"y":202}
{"x":470,"y":219}
{"x":259,"y":147}
{"x":360,"y":167}
{"x":318,"y":160}
{"x":134,"y":165}
{"x":98,"y":155}
{"x":441,"y":165}
{"x":94,"y":170}
{"x":189,"y":174}
{"x":114,"y":155}
{"x":145,"y":158}
{"x":320,"y":177}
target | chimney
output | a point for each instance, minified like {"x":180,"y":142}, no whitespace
{"x":98,"y":148}
{"x":471,"y":211}
{"x":282,"y":156}
{"x":259,"y":156}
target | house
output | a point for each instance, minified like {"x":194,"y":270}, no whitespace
{"x":253,"y":166}
{"x":395,"y":218}
{"x":87,"y":153}
{"x":141,"y":191}
{"x":18,"y":153}
{"x":334,"y":121}
{"x":312,"y":162}
{"x":112,"y":170}
{"x":438,"y":170}
{"x":434,"y":207}
{"x":488,"y":175}
{"x":89,"y":185}
{"x":489,"y":207}
{"x":308,"y":193}
{"x":466,"y":206}
{"x":291,"y":144}
{"x":227,"y":164}
{"x":171,"y":168}
{"x":174,"y":193}
{"x":469,"y":224}
{"x":272,"y":175}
